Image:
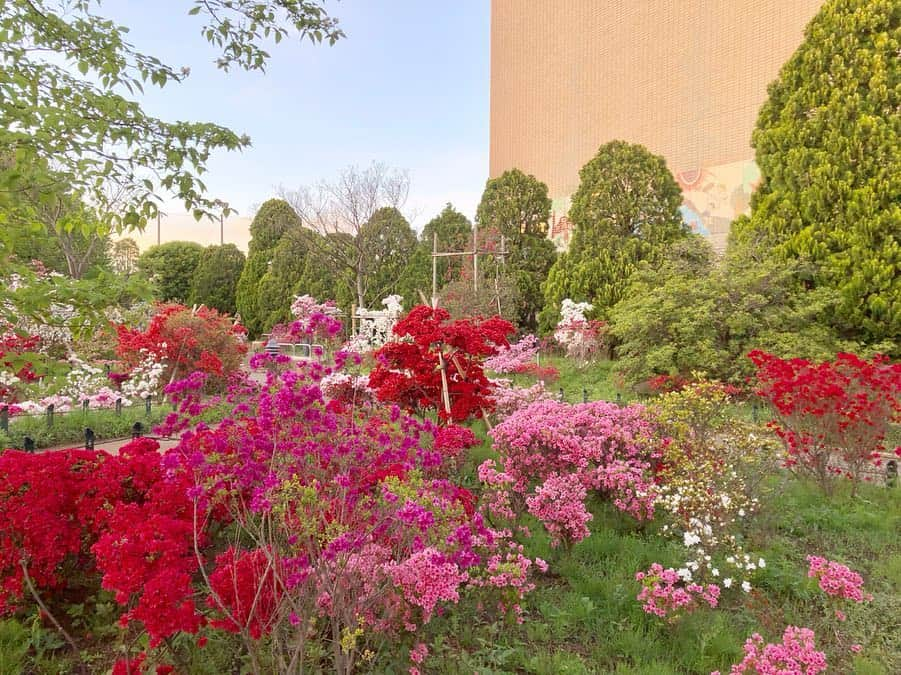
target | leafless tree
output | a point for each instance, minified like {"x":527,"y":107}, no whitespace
{"x":340,"y":209}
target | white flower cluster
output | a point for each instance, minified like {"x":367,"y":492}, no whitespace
{"x":574,"y":311}
{"x":145,"y":377}
{"x":375,"y":326}
{"x":7,"y":378}
{"x":83,"y":380}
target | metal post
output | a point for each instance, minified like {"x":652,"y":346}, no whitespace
{"x":28,"y":442}
{"x":434,"y":270}
{"x":4,"y":419}
{"x":619,"y":398}
{"x":147,"y":404}
{"x":137,"y":430}
{"x":84,"y":407}
{"x":221,"y":230}
{"x":561,"y":393}
{"x":88,"y":438}
{"x":50,"y":415}
{"x":584,"y":395}
{"x":475,"y":258}
{"x":118,"y":406}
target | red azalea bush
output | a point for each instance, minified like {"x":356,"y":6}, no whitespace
{"x":75,"y":519}
{"x":409,"y":370}
{"x":186,"y":340}
{"x":14,"y":371}
{"x":833,"y":416}
{"x":553,"y":454}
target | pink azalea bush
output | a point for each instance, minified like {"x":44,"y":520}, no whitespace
{"x":508,"y":398}
{"x":516,"y":358}
{"x":664,"y":593}
{"x":837,"y":580}
{"x":554,"y":455}
{"x":795,"y":655}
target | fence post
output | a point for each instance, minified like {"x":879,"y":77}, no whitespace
{"x":584,"y":395}
{"x":50,"y":415}
{"x":4,"y":419}
{"x":754,"y":411}
{"x":118,"y":406}
{"x":88,"y":438}
{"x":619,"y":398}
{"x":147,"y":404}
{"x":84,"y":407}
{"x":561,"y":394}
{"x":891,"y":473}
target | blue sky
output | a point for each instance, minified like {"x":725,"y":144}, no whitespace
{"x":408,"y":87}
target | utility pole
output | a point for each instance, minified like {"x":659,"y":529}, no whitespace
{"x":221,"y":230}
{"x":157,"y":228}
{"x":434,"y":270}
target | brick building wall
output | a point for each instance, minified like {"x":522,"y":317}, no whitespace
{"x":683,"y":77}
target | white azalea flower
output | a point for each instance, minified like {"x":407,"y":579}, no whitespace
{"x":745,"y":586}
{"x":727,"y":582}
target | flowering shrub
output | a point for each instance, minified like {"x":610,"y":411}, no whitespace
{"x":553,"y":454}
{"x":314,"y":319}
{"x":832,"y":416}
{"x":582,"y":338}
{"x":837,"y":580}
{"x":185,"y":340}
{"x":508,"y":398}
{"x":515,"y":358}
{"x":145,"y":378}
{"x":346,"y":388}
{"x":56,"y":506}
{"x":665,"y":594}
{"x":438,"y":364}
{"x":710,"y":478}
{"x":796,"y":653}
{"x":352,"y":528}
{"x":15,"y":370}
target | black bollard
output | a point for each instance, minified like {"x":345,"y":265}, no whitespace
{"x":28,"y":442}
{"x":88,"y":438}
{"x":584,"y":395}
{"x":118,"y":406}
{"x":4,"y":419}
{"x":561,"y":393}
{"x":147,"y":404}
{"x":137,"y":430}
{"x":50,"y":415}
{"x":891,"y":473}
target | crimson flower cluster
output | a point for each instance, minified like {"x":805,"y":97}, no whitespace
{"x":85,"y":518}
{"x":409,"y":370}
{"x":187,"y":340}
{"x":833,"y":416}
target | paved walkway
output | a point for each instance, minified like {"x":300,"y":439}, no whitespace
{"x":112,"y":446}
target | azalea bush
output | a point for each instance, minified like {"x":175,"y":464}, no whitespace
{"x":796,"y":653}
{"x":185,"y":341}
{"x":438,"y":364}
{"x":554,"y":455}
{"x":16,"y":368}
{"x":711,"y":480}
{"x":665,"y":594}
{"x":351,"y":528}
{"x":508,"y":398}
{"x":582,"y":338}
{"x":833,"y":416}
{"x":518,"y":357}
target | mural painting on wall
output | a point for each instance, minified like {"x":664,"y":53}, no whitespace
{"x":713,"y":198}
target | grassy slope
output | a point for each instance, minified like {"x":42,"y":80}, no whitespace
{"x":583,"y":617}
